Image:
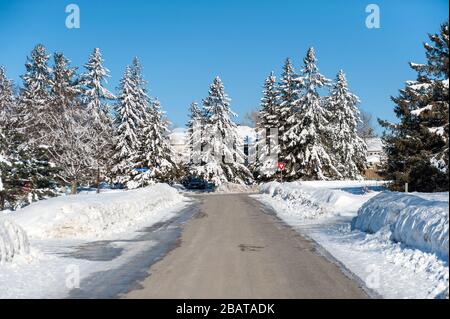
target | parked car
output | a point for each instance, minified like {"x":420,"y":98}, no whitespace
{"x":192,"y":182}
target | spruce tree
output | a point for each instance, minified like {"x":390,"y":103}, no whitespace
{"x":222,"y":159}
{"x":69,"y":124}
{"x":7,"y":99}
{"x":34,"y":108}
{"x":128,"y":122}
{"x":8,"y":183}
{"x":35,"y":99}
{"x":349,"y":149}
{"x":417,"y":146}
{"x":95,"y":98}
{"x":156,"y":147}
{"x":289,"y":90}
{"x":268,"y":149}
{"x":194,"y":131}
{"x":307,"y":141}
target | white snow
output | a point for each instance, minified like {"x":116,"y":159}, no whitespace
{"x":423,"y":109}
{"x":395,"y":263}
{"x":58,"y":227}
{"x":13,"y":241}
{"x":94,"y":215}
{"x":413,"y":220}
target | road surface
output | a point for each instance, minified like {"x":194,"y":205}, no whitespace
{"x":233,"y":249}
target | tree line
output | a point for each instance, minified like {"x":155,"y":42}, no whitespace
{"x":64,"y":128}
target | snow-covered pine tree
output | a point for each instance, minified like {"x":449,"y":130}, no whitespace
{"x":7,"y":99}
{"x":349,"y":154}
{"x":8,"y":190}
{"x":95,"y":98}
{"x":33,"y":110}
{"x":128,"y":123}
{"x":268,"y":148}
{"x":289,"y":91}
{"x":417,"y":147}
{"x":308,"y":140}
{"x":194,"y":131}
{"x":71,"y":147}
{"x":34,"y":97}
{"x":222,"y":159}
{"x":156,"y":148}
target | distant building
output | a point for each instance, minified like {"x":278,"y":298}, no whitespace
{"x":178,"y":141}
{"x":375,"y":154}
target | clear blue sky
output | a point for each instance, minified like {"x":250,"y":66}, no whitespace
{"x":183,"y":45}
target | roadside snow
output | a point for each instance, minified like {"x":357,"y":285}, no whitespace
{"x":13,"y":241}
{"x":322,"y":199}
{"x":323,"y":211}
{"x":94,"y":215}
{"x":78,"y":236}
{"x":413,"y":220}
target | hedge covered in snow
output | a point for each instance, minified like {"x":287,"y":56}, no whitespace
{"x":418,"y":220}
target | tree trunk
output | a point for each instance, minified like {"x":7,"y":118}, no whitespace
{"x":98,"y":180}
{"x":74,"y":185}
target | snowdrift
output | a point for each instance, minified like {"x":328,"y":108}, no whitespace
{"x":13,"y":241}
{"x":417,"y":220}
{"x":93,"y":215}
{"x":317,"y":200}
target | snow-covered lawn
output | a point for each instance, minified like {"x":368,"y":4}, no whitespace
{"x":398,"y":245}
{"x":36,"y":241}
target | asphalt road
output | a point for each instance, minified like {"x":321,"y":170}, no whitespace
{"x":233,"y":249}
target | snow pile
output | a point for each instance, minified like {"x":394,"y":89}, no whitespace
{"x":419,"y":221}
{"x":92,"y":215}
{"x":228,"y":187}
{"x":311,"y":202}
{"x":13,"y":241}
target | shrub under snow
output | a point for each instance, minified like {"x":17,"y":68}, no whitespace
{"x":13,"y":240}
{"x":90,"y":215}
{"x":417,"y":220}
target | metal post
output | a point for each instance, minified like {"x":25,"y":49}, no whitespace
{"x":406,"y":188}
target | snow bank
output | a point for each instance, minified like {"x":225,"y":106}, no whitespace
{"x":312,"y":200}
{"x":92,"y":215}
{"x":234,"y":188}
{"x":417,"y":220}
{"x":13,"y":240}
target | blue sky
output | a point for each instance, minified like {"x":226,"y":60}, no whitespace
{"x":183,"y":45}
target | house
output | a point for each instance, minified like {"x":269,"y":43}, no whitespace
{"x":375,"y":154}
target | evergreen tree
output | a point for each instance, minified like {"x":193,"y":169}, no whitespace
{"x":349,"y":148}
{"x":156,"y":147}
{"x":95,"y":97}
{"x":8,"y":184}
{"x":221,"y":160}
{"x":128,"y":121}
{"x":36,"y":173}
{"x":35,"y":105}
{"x":7,"y":99}
{"x":194,"y":131}
{"x":417,"y":147}
{"x":289,"y":91}
{"x":307,"y":141}
{"x":69,"y":125}
{"x":268,"y":149}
